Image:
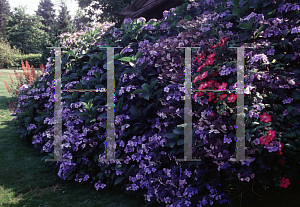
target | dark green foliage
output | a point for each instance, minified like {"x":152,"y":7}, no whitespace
{"x":63,"y":21}
{"x":25,"y":31}
{"x":46,"y":10}
{"x":4,"y":14}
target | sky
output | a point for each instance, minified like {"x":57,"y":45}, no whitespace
{"x":32,"y":6}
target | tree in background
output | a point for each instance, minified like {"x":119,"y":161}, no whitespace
{"x":25,"y":31}
{"x":4,"y":15}
{"x":63,"y":21}
{"x":110,"y":9}
{"x":46,"y":10}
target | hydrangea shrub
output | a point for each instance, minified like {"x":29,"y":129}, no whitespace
{"x":149,"y":97}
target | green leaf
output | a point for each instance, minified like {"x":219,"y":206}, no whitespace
{"x":138,"y":55}
{"x":188,"y":17}
{"x":38,"y":118}
{"x":26,"y":119}
{"x":244,"y":26}
{"x":99,"y":175}
{"x":180,"y":142}
{"x":296,"y":95}
{"x":108,"y":40}
{"x":236,"y":3}
{"x":82,"y":114}
{"x":236,"y":11}
{"x":172,"y":144}
{"x":119,"y":104}
{"x":272,"y":12}
{"x":134,"y":111}
{"x":219,"y":9}
{"x":71,"y":53}
{"x":103,"y":115}
{"x":123,"y":26}
{"x":152,"y":84}
{"x":143,"y":65}
{"x":178,"y":132}
{"x":145,"y":96}
{"x":289,"y":109}
{"x":170,"y":135}
{"x":145,"y":86}
{"x":261,"y":28}
{"x":118,"y":180}
{"x":86,"y":105}
{"x":127,"y":59}
{"x":251,"y":22}
{"x":137,"y":91}
{"x":245,"y":8}
{"x":129,"y":26}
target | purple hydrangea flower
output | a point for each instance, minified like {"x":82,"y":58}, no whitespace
{"x":289,"y":100}
{"x":295,"y":30}
{"x":228,"y":25}
{"x":256,"y":141}
{"x":271,"y":51}
{"x":31,"y":126}
{"x":227,"y":140}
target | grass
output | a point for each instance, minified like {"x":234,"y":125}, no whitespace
{"x":27,"y":181}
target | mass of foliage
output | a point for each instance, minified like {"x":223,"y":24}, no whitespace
{"x":4,"y":13}
{"x":150,"y":94}
{"x":7,"y":54}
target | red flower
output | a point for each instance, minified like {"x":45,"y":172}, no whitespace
{"x":210,"y":83}
{"x":284,"y":182}
{"x":211,"y":56}
{"x":210,"y":93}
{"x":210,"y":98}
{"x":222,"y":96}
{"x":281,"y":162}
{"x":196,"y":79}
{"x":232,"y":97}
{"x":223,"y":86}
{"x":264,"y":140}
{"x":203,"y":75}
{"x":198,"y":94}
{"x":210,"y":61}
{"x":7,"y":87}
{"x":200,"y":67}
{"x":271,"y":134}
{"x":202,"y":85}
{"x":265,"y":118}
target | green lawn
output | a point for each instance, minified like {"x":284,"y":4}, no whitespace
{"x":27,"y":181}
